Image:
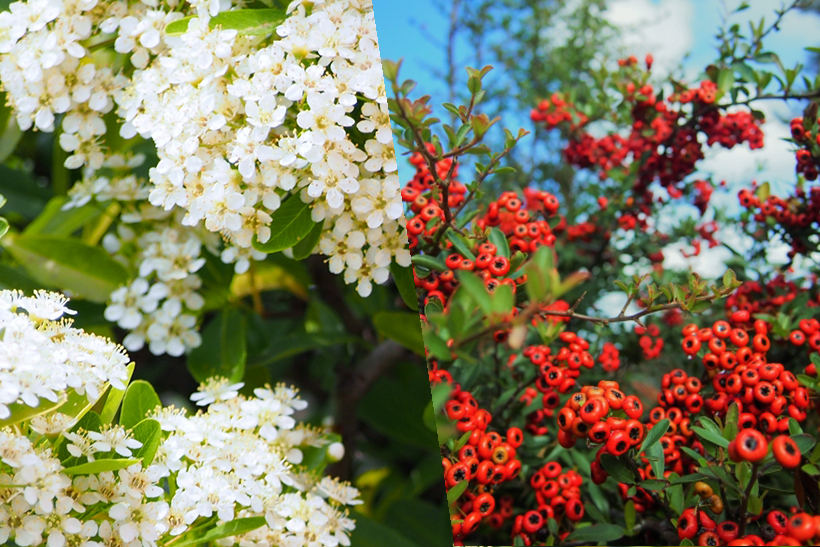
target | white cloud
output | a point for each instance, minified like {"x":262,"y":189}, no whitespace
{"x":662,"y":28}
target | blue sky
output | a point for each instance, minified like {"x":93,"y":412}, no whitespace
{"x":677,"y":32}
{"x":675,"y":27}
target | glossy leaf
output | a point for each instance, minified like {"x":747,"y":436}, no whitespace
{"x":249,"y":22}
{"x":290,"y":224}
{"x":114,"y":398}
{"x":149,"y":433}
{"x":231,"y":528}
{"x":140,"y":399}
{"x":224,"y":349}
{"x":98,"y":466}
{"x":68,"y":264}
{"x":403,"y":327}
{"x":403,"y":278}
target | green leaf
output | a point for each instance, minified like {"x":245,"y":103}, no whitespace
{"x":304,"y":248}
{"x":597,"y":533}
{"x":403,"y":327}
{"x":231,"y":528}
{"x":419,"y":521}
{"x":725,"y":81}
{"x":498,"y":239}
{"x":54,"y":221}
{"x":456,"y":491}
{"x":429,"y":262}
{"x":460,"y":245}
{"x":98,"y":466}
{"x":149,"y":433}
{"x":403,"y":278}
{"x":404,"y":429}
{"x":11,"y":134}
{"x":476,"y":289}
{"x":617,"y":469}
{"x":224,"y":349}
{"x":629,"y":516}
{"x":503,"y":299}
{"x":369,"y":533}
{"x":249,"y":22}
{"x":140,"y":399}
{"x":295,"y":344}
{"x":711,"y":436}
{"x":68,"y":264}
{"x":654,"y":435}
{"x":656,"y":458}
{"x":21,"y":411}
{"x":675,"y":495}
{"x":290,"y":224}
{"x":114,"y":398}
{"x":732,"y":416}
{"x":805,"y":442}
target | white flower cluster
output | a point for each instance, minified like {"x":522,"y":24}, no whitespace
{"x":242,"y":457}
{"x":41,"y":358}
{"x":240,"y":124}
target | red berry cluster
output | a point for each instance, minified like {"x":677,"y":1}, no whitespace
{"x":775,"y":529}
{"x":650,"y":341}
{"x":610,"y":357}
{"x":767,"y":394}
{"x":662,"y":135}
{"x":557,"y":494}
{"x":795,"y":215}
{"x":807,"y":162}
{"x":517,"y":221}
{"x":557,"y":110}
{"x":590,"y":414}
{"x":487,"y":459}
{"x":754,"y":297}
{"x":680,"y":397}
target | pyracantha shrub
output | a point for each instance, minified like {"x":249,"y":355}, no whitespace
{"x":674,"y":420}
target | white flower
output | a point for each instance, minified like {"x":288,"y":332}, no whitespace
{"x":216,"y":389}
{"x":114,"y":438}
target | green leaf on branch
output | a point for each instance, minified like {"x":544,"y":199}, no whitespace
{"x":98,"y":466}
{"x":617,"y":469}
{"x":68,"y":264}
{"x":476,"y":289}
{"x":598,"y":534}
{"x":223,"y":351}
{"x":140,"y":399}
{"x":403,"y":278}
{"x":629,"y":517}
{"x":289,"y":225}
{"x":232,"y":528}
{"x":656,"y":458}
{"x":654,"y":435}
{"x":460,"y":245}
{"x":456,"y":491}
{"x":403,"y":327}
{"x":429,"y":262}
{"x":248,"y":22}
{"x":498,"y":239}
{"x":55,"y":221}
{"x":149,"y":433}
{"x":804,"y":441}
{"x":21,"y":411}
{"x":114,"y":398}
{"x":304,"y":248}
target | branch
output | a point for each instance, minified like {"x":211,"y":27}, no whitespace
{"x":527,"y":314}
